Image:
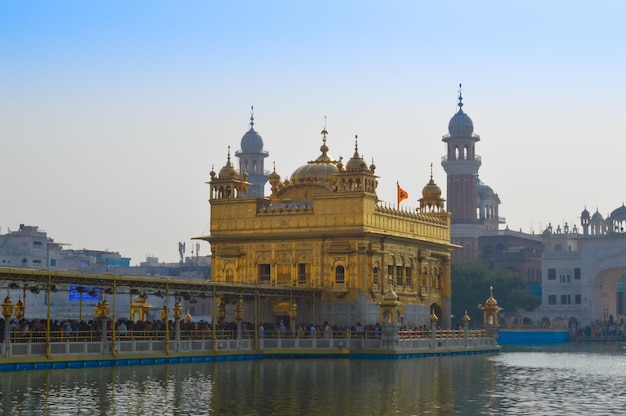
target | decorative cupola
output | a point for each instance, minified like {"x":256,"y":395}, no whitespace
{"x":584,"y":221}
{"x":357,"y":176}
{"x":274,"y":181}
{"x":390,"y":307}
{"x":431,"y":200}
{"x":228,"y":184}
{"x":490,"y":311}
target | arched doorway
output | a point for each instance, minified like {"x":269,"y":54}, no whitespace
{"x":437,"y":310}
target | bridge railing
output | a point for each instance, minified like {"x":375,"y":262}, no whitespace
{"x":83,"y":344}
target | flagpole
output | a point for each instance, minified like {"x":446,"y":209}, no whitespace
{"x":398,"y":195}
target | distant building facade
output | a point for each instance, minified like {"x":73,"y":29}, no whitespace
{"x":30,"y":247}
{"x":584,"y":271}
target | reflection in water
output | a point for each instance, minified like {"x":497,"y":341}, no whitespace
{"x":543,"y":381}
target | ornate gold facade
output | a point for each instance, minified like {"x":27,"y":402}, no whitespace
{"x":324,"y":228}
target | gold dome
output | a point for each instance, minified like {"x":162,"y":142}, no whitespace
{"x":316,"y":171}
{"x":228,"y":171}
{"x":274,"y":176}
{"x":140,"y":298}
{"x":356,"y":163}
{"x":431,"y":190}
{"x":491,"y":302}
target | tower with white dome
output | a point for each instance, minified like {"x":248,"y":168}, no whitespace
{"x":473,"y":205}
{"x":252,"y":160}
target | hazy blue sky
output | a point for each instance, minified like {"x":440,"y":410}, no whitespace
{"x":112,"y":113}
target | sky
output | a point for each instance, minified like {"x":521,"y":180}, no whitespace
{"x":113,"y":113}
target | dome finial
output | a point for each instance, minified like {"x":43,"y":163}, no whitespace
{"x":228,"y":158}
{"x":356,"y":144}
{"x":460,"y":96}
{"x":251,"y":116}
{"x":431,"y":171}
{"x":324,"y":132}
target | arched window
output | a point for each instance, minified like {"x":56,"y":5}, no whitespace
{"x":339,"y":275}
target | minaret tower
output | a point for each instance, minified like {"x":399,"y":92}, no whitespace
{"x":251,"y":160}
{"x":461,"y":165}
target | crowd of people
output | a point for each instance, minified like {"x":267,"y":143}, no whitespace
{"x":35,"y":330}
{"x":610,"y":329}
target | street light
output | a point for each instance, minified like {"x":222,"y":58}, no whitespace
{"x":7,"y":311}
{"x":433,"y":325}
{"x":7,"y":307}
{"x":18,"y":309}
{"x":178,"y":314}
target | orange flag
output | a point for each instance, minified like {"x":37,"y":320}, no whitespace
{"x":402,"y":194}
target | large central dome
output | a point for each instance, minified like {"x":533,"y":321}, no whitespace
{"x":316,"y":171}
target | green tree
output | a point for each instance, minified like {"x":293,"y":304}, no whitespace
{"x":471,"y":283}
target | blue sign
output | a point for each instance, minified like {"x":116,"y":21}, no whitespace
{"x":89,"y":293}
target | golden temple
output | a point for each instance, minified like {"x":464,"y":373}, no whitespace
{"x":324,"y":228}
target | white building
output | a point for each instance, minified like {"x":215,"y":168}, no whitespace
{"x":584,"y":274}
{"x":29,"y":247}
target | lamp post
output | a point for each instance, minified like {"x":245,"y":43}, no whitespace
{"x":18,"y":309}
{"x":293,"y":312}
{"x":164,"y":319}
{"x":239,"y":318}
{"x":433,"y":325}
{"x":178,"y":314}
{"x":466,"y":320}
{"x":80,"y":291}
{"x":7,"y":311}
{"x":101,"y":313}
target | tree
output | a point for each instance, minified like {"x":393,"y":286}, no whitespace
{"x":471,"y":282}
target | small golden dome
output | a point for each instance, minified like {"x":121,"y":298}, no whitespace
{"x":274,"y":176}
{"x":140,"y":298}
{"x":228,"y":171}
{"x":431,"y":190}
{"x":491,"y":302}
{"x":356,"y":163}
